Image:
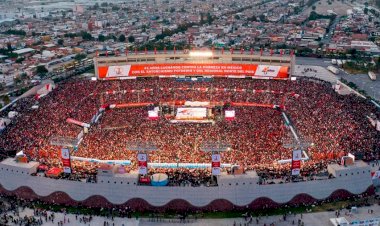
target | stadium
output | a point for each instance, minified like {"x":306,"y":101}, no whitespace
{"x":209,"y":130}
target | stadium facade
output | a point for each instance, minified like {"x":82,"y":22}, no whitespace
{"x":233,"y":191}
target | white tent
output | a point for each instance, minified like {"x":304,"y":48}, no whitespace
{"x":4,"y":122}
{"x":12,"y":114}
{"x":341,"y":221}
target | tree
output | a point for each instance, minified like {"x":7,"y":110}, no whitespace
{"x":12,"y":55}
{"x":112,"y":37}
{"x":122,"y":38}
{"x":86,"y":36}
{"x":70,"y":35}
{"x":19,"y":60}
{"x":131,"y":39}
{"x":23,"y":76}
{"x":297,"y":10}
{"x":41,"y":69}
{"x":313,"y":7}
{"x":80,"y":56}
{"x":378,"y":64}
{"x":60,"y":42}
{"x":9,"y":46}
{"x":101,"y":38}
{"x":6,"y":99}
{"x":237,"y":17}
{"x":262,"y":18}
{"x":209,"y":18}
{"x":366,"y":10}
{"x":15,"y":32}
{"x":17,"y":80}
{"x":352,"y":52}
{"x":253,"y":18}
{"x":202,"y":18}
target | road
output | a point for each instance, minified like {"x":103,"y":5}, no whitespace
{"x":322,"y":62}
{"x":372,"y":88}
{"x":327,"y":38}
{"x":363,"y":82}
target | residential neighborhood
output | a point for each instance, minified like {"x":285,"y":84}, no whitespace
{"x":52,"y":35}
{"x":190,"y":112}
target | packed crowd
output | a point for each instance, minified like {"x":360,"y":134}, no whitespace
{"x":15,"y":211}
{"x":334,"y":125}
{"x":187,"y":177}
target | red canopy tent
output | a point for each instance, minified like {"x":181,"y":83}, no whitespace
{"x":43,"y":167}
{"x":54,"y":172}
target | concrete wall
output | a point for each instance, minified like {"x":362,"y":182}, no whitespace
{"x":118,"y":191}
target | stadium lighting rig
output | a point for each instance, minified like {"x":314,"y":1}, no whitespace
{"x":64,"y":142}
{"x":302,"y":143}
{"x":200,"y":54}
{"x":215,"y":146}
{"x":141,"y":146}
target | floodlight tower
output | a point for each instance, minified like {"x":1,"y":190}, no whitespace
{"x":142,"y":148}
{"x":66,"y":143}
{"x":215,"y":148}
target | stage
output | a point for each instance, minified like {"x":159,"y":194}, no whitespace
{"x":198,"y":121}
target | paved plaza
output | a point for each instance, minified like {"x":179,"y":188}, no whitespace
{"x":308,"y":219}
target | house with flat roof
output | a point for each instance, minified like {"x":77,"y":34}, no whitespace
{"x":24,"y":51}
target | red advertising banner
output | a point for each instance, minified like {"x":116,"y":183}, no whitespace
{"x":65,"y":155}
{"x":130,"y":105}
{"x":296,"y":162}
{"x":76,"y":122}
{"x":142,"y":159}
{"x":106,"y":72}
{"x":215,"y":164}
{"x":237,"y":104}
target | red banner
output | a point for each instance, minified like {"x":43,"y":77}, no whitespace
{"x":106,"y":72}
{"x":130,"y":105}
{"x":215,"y":164}
{"x":73,"y":121}
{"x":245,"y":104}
{"x":296,"y":162}
{"x":142,"y":161}
{"x":65,"y":156}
